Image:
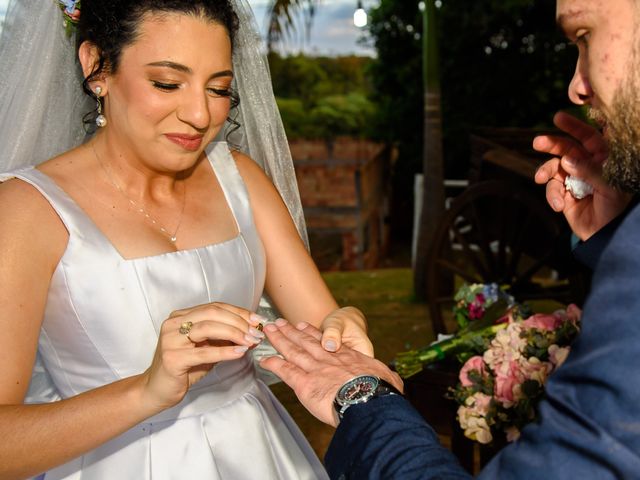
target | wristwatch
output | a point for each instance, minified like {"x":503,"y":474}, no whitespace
{"x":361,"y":389}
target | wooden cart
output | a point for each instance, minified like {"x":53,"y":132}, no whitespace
{"x":501,"y":229}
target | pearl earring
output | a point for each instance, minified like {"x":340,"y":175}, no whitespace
{"x":101,"y":120}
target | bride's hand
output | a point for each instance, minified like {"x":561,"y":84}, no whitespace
{"x":346,"y":325}
{"x":191,"y":342}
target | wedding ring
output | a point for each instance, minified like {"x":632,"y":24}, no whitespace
{"x":185,"y":328}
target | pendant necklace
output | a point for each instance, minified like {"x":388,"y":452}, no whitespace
{"x":139,"y":207}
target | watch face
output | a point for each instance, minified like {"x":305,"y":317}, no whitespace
{"x":357,"y":389}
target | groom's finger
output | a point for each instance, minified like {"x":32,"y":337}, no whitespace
{"x":589,"y":137}
{"x":300,"y":337}
{"x":559,"y":146}
{"x":297,"y":347}
{"x":309,"y":330}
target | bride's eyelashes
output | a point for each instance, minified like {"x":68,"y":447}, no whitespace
{"x":220,"y":92}
{"x":165,"y":87}
{"x":215,"y":91}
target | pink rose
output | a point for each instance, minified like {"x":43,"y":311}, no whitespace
{"x":543,"y":321}
{"x":474,"y":363}
{"x":505,"y":384}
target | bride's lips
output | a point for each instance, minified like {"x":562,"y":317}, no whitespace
{"x":188,"y":142}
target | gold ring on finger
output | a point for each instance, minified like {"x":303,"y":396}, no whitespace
{"x":185,"y":328}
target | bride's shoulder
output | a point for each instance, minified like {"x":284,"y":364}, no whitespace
{"x":30,"y":230}
{"x":16,"y":192}
{"x":24,"y":206}
{"x":19,"y":197}
{"x":250,"y":171}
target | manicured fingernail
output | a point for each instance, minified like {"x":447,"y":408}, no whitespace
{"x":270,"y":328}
{"x":302,"y":325}
{"x":330,"y":346}
{"x":256,"y":333}
{"x":240,"y":349}
{"x":255,"y":319}
{"x":556,"y":204}
{"x":281,"y":322}
{"x":252,"y":339}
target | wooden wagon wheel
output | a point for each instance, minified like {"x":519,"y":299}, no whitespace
{"x":497,"y":231}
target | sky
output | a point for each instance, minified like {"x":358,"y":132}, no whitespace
{"x":332,"y":32}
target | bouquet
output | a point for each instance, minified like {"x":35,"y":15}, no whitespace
{"x":472,"y":301}
{"x":499,"y":389}
{"x":71,"y":14}
{"x":481,"y":310}
{"x":506,"y":354}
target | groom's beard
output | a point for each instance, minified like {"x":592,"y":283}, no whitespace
{"x":622,"y":168}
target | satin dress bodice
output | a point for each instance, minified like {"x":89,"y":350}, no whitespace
{"x":101,"y":324}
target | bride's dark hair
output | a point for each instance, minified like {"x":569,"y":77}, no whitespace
{"x":112,"y":25}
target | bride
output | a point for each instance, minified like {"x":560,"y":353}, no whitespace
{"x":132,"y":264}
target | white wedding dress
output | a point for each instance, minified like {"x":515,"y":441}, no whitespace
{"x":101,"y":324}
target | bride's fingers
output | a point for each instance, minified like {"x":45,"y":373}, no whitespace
{"x":176,"y":335}
{"x":210,"y":330}
{"x":222,"y":313}
{"x":212,"y":355}
{"x":214,"y":309}
{"x":332,"y":331}
{"x":181,"y":361}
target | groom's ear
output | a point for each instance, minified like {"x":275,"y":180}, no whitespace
{"x":89,"y":56}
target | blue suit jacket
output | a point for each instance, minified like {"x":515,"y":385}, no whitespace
{"x":589,"y":423}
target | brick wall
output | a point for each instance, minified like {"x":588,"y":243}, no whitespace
{"x":344,"y":188}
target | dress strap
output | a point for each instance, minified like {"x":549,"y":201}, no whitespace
{"x":233,"y":187}
{"x":76,"y":221}
{"x":70,"y":213}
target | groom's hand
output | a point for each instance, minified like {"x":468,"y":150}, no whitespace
{"x":314,"y":374}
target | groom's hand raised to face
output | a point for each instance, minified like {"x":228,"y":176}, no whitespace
{"x":580,"y":153}
{"x":314,"y":374}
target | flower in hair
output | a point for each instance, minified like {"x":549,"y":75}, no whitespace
{"x":71,"y":14}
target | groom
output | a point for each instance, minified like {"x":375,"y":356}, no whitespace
{"x":589,"y":423}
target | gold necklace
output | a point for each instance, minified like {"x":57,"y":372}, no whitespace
{"x":139,"y":207}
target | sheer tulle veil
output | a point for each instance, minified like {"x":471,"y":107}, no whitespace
{"x":42,"y":103}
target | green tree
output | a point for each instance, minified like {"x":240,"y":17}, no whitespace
{"x":323,"y":97}
{"x":395,"y":28}
{"x":502,"y":63}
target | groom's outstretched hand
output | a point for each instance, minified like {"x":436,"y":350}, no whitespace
{"x":314,"y":374}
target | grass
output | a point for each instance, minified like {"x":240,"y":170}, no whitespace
{"x":396,"y":323}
